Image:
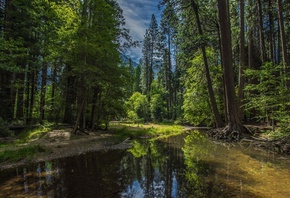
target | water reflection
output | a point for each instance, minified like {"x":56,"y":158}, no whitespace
{"x":158,"y":167}
{"x":183,"y":166}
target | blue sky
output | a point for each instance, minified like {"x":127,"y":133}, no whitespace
{"x":138,"y":15}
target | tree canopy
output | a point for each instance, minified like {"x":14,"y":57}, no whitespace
{"x":205,"y":63}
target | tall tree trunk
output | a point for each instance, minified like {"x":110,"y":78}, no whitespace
{"x":283,"y":41}
{"x":278,"y":46}
{"x":32,"y":79}
{"x":224,"y":84}
{"x":261,"y":33}
{"x":80,"y":110}
{"x":169,"y":78}
{"x":234,"y":123}
{"x":242,"y":59}
{"x":218,"y":119}
{"x":69,"y":97}
{"x":93,"y":111}
{"x":20,"y":98}
{"x":43,"y":92}
{"x":53,"y":114}
{"x":252,"y":64}
{"x":271,"y":26}
{"x":27,"y":95}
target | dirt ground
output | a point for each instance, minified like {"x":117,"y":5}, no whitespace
{"x":60,"y":143}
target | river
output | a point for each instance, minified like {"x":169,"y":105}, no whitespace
{"x":188,"y":165}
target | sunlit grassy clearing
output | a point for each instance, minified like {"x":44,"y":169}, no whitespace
{"x":152,"y":130}
{"x":33,"y":134}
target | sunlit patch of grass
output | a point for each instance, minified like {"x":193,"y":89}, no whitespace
{"x":164,"y":131}
{"x":123,"y":132}
{"x":33,"y":134}
{"x":148,"y":130}
{"x":16,"y":155}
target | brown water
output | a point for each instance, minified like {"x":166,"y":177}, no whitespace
{"x":183,"y":166}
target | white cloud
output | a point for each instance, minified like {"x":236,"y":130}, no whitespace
{"x":138,"y":14}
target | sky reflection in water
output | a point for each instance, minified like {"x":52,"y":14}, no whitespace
{"x":182,"y":166}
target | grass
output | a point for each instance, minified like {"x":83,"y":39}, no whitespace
{"x":157,"y":131}
{"x":11,"y":152}
{"x":33,"y":134}
{"x":16,"y":155}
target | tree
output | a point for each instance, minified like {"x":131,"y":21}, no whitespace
{"x":242,"y":58}
{"x":234,"y":123}
{"x":283,"y":40}
{"x":137,"y":107}
{"x":218,"y":119}
{"x":196,"y":105}
{"x":150,"y":54}
{"x":269,"y":96}
{"x":137,"y":79}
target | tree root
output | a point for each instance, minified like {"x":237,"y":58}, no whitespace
{"x":230,"y":133}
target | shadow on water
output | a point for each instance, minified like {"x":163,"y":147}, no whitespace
{"x":182,"y":166}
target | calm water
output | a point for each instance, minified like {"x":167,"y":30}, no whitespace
{"x":183,"y":166}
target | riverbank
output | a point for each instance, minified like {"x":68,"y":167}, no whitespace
{"x":60,"y":143}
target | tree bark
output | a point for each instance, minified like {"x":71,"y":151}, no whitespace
{"x":20,"y":98}
{"x":234,"y":123}
{"x":271,"y":25}
{"x":43,"y":92}
{"x":53,"y":113}
{"x":283,"y":40}
{"x":80,"y":110}
{"x":69,"y":97}
{"x":242,"y":59}
{"x":218,"y":119}
{"x":261,"y":34}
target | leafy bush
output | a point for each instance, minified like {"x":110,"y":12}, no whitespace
{"x":269,"y":97}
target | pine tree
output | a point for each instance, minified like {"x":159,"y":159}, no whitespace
{"x":150,"y":54}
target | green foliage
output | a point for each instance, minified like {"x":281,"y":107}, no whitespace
{"x":10,"y":52}
{"x":54,"y":104}
{"x":16,"y":155}
{"x":197,"y":152}
{"x":157,"y":102}
{"x":123,"y":132}
{"x":267,"y":94}
{"x":157,"y":108}
{"x":138,"y":149}
{"x":4,"y":130}
{"x":137,"y":106}
{"x":154,"y":131}
{"x":32,"y":134}
{"x":197,"y":110}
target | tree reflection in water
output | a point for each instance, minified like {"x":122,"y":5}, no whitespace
{"x":151,"y":168}
{"x":181,"y":166}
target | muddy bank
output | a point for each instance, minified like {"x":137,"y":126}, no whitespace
{"x":60,"y":144}
{"x":252,"y":136}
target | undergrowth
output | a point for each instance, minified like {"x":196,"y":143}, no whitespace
{"x":16,"y":155}
{"x":32,"y":134}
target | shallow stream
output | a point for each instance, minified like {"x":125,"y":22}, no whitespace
{"x":183,"y":166}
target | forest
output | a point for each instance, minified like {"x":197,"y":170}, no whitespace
{"x":216,"y":63}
